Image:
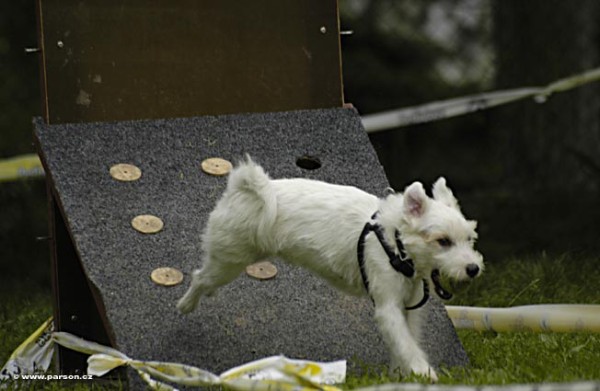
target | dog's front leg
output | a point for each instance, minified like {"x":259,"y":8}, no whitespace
{"x":404,"y":349}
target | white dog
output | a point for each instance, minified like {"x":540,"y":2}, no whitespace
{"x":387,"y":248}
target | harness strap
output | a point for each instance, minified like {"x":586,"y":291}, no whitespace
{"x":400,"y":262}
{"x":360,"y":250}
{"x":424,"y":299}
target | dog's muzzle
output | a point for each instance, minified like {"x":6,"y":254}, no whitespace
{"x":446,"y":287}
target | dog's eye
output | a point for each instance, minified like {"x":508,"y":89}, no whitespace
{"x":445,"y":242}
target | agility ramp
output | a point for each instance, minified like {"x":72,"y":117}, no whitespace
{"x":102,"y":266}
{"x":294,"y":313}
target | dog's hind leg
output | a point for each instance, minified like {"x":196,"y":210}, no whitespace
{"x":216,"y":272}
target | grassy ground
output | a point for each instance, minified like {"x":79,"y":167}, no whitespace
{"x":495,"y":358}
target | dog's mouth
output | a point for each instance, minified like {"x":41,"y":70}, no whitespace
{"x":439,"y":289}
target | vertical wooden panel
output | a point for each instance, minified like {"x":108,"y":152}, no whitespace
{"x":120,"y":60}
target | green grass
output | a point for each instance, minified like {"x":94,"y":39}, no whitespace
{"x":23,"y":308}
{"x":501,"y":358}
{"x":511,"y":358}
{"x":536,"y":280}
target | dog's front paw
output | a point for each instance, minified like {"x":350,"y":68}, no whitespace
{"x":422,"y":368}
{"x":429,"y":373}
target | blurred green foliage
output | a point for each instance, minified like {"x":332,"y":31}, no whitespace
{"x":408,"y":52}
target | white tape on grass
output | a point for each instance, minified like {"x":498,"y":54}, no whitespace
{"x":556,"y":318}
{"x":579,"y":386}
{"x":34,"y":355}
{"x":459,"y":106}
{"x":277,"y":372}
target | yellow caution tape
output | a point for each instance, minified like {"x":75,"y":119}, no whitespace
{"x":459,"y":106}
{"x":272,"y":373}
{"x":540,"y":318}
{"x":20,"y":167}
{"x":33,"y":355}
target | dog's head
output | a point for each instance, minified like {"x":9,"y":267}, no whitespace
{"x":436,"y":234}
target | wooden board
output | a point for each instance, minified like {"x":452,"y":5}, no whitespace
{"x":113,"y":60}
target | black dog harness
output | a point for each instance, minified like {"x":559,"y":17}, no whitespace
{"x":401,"y":262}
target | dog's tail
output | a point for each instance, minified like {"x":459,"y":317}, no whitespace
{"x":248,"y":177}
{"x":249,"y":182}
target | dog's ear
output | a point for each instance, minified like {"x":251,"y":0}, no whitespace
{"x":415,"y":200}
{"x":443,"y":194}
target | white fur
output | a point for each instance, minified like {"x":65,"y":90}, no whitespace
{"x":317,"y":225}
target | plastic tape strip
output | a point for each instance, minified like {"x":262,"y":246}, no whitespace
{"x":276,"y":372}
{"x":20,"y":167}
{"x":541,"y":318}
{"x":33,"y":355}
{"x":458,"y":106}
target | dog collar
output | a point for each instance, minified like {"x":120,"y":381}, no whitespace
{"x":400,"y":262}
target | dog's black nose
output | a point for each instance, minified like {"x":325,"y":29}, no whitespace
{"x":472,"y":270}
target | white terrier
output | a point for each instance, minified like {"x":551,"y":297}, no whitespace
{"x":387,"y":248}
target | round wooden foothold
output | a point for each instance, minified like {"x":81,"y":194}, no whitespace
{"x":147,"y":224}
{"x":125,"y":172}
{"x":262,"y":270}
{"x":216,"y":166}
{"x":166,"y":276}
